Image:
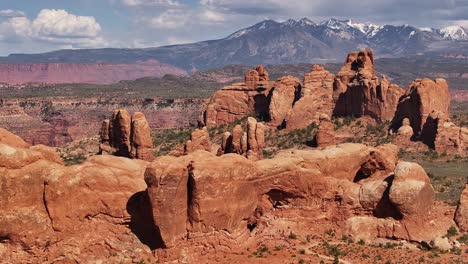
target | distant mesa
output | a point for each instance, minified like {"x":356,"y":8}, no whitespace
{"x":93,"y":73}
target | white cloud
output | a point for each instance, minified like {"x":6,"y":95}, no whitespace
{"x":170,"y":19}
{"x":155,"y":3}
{"x":210,"y":16}
{"x":55,"y":27}
{"x":59,"y":23}
{"x":11,"y":13}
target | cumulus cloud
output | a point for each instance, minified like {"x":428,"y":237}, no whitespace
{"x":11,"y":13}
{"x":54,"y":26}
{"x":59,"y":23}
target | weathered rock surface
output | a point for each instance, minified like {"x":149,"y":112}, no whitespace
{"x":142,"y":142}
{"x":283,"y":98}
{"x":55,"y":212}
{"x":249,"y":144}
{"x":192,"y":195}
{"x":239,"y":100}
{"x":461,"y":215}
{"x":316,"y":98}
{"x":127,"y":136}
{"x":326,"y":132}
{"x":420,"y":99}
{"x":52,"y":211}
{"x":199,"y":140}
{"x":358,"y":91}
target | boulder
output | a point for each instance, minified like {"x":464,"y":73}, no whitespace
{"x":411,"y":191}
{"x":405,"y":131}
{"x":441,"y":243}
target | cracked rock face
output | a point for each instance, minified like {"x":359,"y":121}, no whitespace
{"x":192,"y":195}
{"x":65,"y":209}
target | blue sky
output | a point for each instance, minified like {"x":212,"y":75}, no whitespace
{"x":31,"y":26}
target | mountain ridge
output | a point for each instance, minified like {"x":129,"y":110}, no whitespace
{"x":271,"y":42}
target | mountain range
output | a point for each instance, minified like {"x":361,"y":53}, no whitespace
{"x":272,"y":42}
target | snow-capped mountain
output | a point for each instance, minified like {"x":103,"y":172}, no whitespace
{"x":271,"y":42}
{"x":454,"y":33}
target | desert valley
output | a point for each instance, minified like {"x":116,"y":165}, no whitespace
{"x":284,"y":142}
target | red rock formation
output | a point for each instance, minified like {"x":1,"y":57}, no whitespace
{"x":358,"y":91}
{"x":239,"y":100}
{"x":201,"y":188}
{"x":19,"y":73}
{"x":444,"y":136}
{"x":127,"y":136}
{"x":326,"y":132}
{"x":422,"y":97}
{"x":461,"y":215}
{"x":259,"y":74}
{"x":315,"y":99}
{"x":199,"y":140}
{"x":142,"y":142}
{"x":74,"y":206}
{"x":360,"y":190}
{"x":282,"y":99}
{"x":249,"y":144}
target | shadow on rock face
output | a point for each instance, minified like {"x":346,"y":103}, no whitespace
{"x":141,"y":223}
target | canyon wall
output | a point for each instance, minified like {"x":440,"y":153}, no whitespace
{"x":59,"y":121}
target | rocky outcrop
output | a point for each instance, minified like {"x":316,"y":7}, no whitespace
{"x":444,"y":136}
{"x":259,"y":74}
{"x":315,"y":99}
{"x":326,"y":132}
{"x":142,"y":142}
{"x":199,"y":140}
{"x":240,"y":99}
{"x":127,"y":136}
{"x":52,"y":211}
{"x":461,"y":215}
{"x":283,"y":97}
{"x":103,"y":73}
{"x":290,"y":104}
{"x":249,"y":144}
{"x":360,"y":179}
{"x":420,"y":99}
{"x":357,"y":90}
